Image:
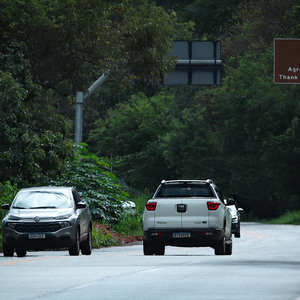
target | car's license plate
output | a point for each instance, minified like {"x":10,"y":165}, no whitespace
{"x":36,"y":236}
{"x":181,"y":234}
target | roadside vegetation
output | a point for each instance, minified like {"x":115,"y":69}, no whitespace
{"x":244,"y":134}
{"x":287,"y":218}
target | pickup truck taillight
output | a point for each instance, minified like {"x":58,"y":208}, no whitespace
{"x":213,"y":205}
{"x":151,"y":206}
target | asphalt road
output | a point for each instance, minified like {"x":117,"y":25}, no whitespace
{"x":265,"y":265}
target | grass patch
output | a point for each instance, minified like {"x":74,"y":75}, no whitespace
{"x":130,"y":225}
{"x":101,"y":238}
{"x":288,"y":218}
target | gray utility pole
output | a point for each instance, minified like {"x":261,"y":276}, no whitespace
{"x":198,"y":63}
{"x":80,"y":98}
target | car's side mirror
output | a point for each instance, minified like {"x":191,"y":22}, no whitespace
{"x":240,"y":210}
{"x":230,"y":201}
{"x":5,"y":206}
{"x":81,"y":204}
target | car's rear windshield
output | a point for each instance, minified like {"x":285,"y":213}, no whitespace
{"x":41,"y":200}
{"x":184,"y":190}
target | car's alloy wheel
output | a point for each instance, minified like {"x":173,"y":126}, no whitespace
{"x":148,"y":248}
{"x":86,"y":246}
{"x":8,"y":251}
{"x":74,"y":249}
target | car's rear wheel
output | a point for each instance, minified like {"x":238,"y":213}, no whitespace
{"x":159,"y":249}
{"x":237,"y":235}
{"x":228,"y":249}
{"x":220,"y":247}
{"x":238,"y":232}
{"x":86,"y":246}
{"x":148,"y":248}
{"x":8,"y":251}
{"x":74,"y":249}
{"x":21,"y":252}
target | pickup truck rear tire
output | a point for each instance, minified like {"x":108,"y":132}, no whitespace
{"x":220,"y":247}
{"x":228,"y":249}
{"x":159,"y":250}
{"x":21,"y":252}
{"x":148,"y":248}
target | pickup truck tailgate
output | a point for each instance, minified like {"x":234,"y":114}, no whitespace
{"x":181,"y":213}
{"x":166,"y":215}
{"x":196,"y":215}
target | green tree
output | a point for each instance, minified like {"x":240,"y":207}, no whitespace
{"x":213,"y":19}
{"x":69,"y":43}
{"x":256,"y":118}
{"x":296,"y":17}
{"x":33,"y":144}
{"x":251,"y":34}
{"x":132,"y":134}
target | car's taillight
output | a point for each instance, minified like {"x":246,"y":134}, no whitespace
{"x":151,"y":206}
{"x":213,"y":205}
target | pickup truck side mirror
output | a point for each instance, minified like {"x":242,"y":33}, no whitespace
{"x":81,"y":204}
{"x":230,"y":201}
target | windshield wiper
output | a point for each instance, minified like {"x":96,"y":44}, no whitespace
{"x":38,"y":207}
{"x":18,"y":207}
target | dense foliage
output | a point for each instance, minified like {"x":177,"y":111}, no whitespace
{"x":245,"y":134}
{"x":33,"y":136}
{"x":7,"y":192}
{"x":50,"y":49}
{"x":96,"y":184}
{"x":69,"y":43}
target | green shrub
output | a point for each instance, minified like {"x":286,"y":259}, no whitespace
{"x":102,"y":239}
{"x":7,"y":194}
{"x":130,"y":225}
{"x":96,"y":184}
{"x":288,"y":218}
{"x":141,"y":201}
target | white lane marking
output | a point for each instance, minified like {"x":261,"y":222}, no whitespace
{"x":152,"y":270}
{"x":84,"y":285}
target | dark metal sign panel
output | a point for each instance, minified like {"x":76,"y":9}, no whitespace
{"x":198,"y":63}
{"x":287,"y":61}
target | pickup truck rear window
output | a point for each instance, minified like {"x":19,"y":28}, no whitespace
{"x":184,"y":190}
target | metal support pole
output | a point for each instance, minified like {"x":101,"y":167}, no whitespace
{"x":80,"y":98}
{"x":78,"y":117}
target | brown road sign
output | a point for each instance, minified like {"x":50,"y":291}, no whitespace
{"x":287,"y":61}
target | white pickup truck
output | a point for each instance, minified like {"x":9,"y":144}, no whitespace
{"x":187,"y":213}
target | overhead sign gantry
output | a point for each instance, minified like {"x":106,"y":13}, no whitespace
{"x":197,"y":63}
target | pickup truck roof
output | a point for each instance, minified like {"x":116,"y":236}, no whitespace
{"x":187,"y":181}
{"x":184,"y":188}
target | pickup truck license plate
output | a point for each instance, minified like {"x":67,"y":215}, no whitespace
{"x":181,"y":234}
{"x":36,"y":236}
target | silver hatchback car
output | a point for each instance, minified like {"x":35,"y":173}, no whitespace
{"x":47,"y":218}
